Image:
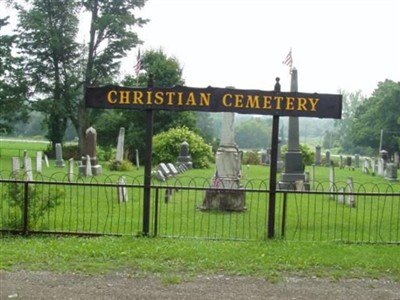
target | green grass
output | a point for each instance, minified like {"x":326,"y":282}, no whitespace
{"x":175,"y":259}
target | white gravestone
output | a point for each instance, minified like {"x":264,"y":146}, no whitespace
{"x":120,"y":145}
{"x":39,"y":162}
{"x":122,"y":190}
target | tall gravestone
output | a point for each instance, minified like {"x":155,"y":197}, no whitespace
{"x":59,"y":156}
{"x":229,"y":196}
{"x":120,"y":145}
{"x":39,"y":162}
{"x":184,"y":157}
{"x":318,"y":155}
{"x":15,"y":166}
{"x":90,"y":161}
{"x":294,"y":167}
{"x":328,"y":158}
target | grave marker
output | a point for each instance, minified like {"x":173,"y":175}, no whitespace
{"x":59,"y":156}
{"x":39,"y":162}
{"x":122,"y":190}
{"x":120,"y":145}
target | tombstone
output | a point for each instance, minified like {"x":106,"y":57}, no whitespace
{"x":39,"y":162}
{"x":263,"y":157}
{"x":165,"y":171}
{"x":71,"y":170}
{"x":160,"y":176}
{"x":396,"y":160}
{"x":391,"y":172}
{"x":357,"y":160}
{"x":328,"y":158}
{"x":366,"y":166}
{"x":351,"y":199}
{"x":229,"y":196}
{"x":120,"y":145}
{"x":341,"y":162}
{"x":381,"y":167}
{"x":137,"y":159}
{"x":16,"y":166}
{"x":122,"y":190}
{"x":46,"y":160}
{"x":87,"y":167}
{"x":28,"y":168}
{"x":318,"y":155}
{"x":90,"y":157}
{"x":59,"y":157}
{"x":348,"y":162}
{"x":332,"y":182}
{"x":313,"y":177}
{"x":184,"y":156}
{"x":172,"y":169}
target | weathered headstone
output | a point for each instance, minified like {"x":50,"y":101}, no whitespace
{"x":396,"y":160}
{"x":351,"y":199}
{"x":122,"y":190}
{"x":318,"y":155}
{"x":172,"y":169}
{"x":357,"y":160}
{"x":332,"y":182}
{"x":28,"y":168}
{"x":59,"y":156}
{"x":88,"y":167}
{"x":381,"y":167}
{"x":159,"y":175}
{"x":165,"y":171}
{"x":16,"y":166}
{"x":229,"y":196}
{"x":373,"y":166}
{"x":279,"y":162}
{"x":23,"y":158}
{"x":184,"y":157}
{"x":348,"y":161}
{"x":71,"y":170}
{"x":268,"y":156}
{"x":366,"y":166}
{"x":313,"y":177}
{"x":328,"y":158}
{"x":391,"y":172}
{"x":120,"y":145}
{"x":46,"y":160}
{"x":90,"y":157}
{"x":137,"y":159}
{"x":39,"y":162}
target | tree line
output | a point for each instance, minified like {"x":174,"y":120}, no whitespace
{"x":44,"y":70}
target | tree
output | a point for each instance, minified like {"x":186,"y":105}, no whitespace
{"x":167,"y":73}
{"x":167,"y":147}
{"x":254,"y":133}
{"x":13,"y":88}
{"x":110,"y":37}
{"x":342,"y":127}
{"x":379,"y":112}
{"x":46,"y":42}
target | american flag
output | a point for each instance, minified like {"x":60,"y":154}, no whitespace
{"x":138,"y":65}
{"x":288,"y":60}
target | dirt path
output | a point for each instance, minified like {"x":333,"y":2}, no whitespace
{"x":46,"y":285}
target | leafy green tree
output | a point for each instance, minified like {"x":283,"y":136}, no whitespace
{"x":110,"y":37}
{"x":254,"y":133}
{"x":342,"y":127}
{"x":46,"y":42}
{"x":166,"y":147}
{"x":13,"y":87}
{"x":167,"y":74}
{"x":379,"y":112}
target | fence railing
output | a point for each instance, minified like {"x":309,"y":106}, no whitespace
{"x":360,"y":213}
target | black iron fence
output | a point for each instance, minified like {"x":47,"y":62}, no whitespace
{"x":326,"y":212}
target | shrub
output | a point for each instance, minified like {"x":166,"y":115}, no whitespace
{"x":166,"y":147}
{"x":116,"y":165}
{"x":41,"y":202}
{"x":251,"y":158}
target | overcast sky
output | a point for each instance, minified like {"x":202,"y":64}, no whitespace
{"x":343,"y":44}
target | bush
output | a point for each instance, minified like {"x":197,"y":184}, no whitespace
{"x":40,"y":203}
{"x":306,"y":152}
{"x":166,"y":147}
{"x":251,"y":158}
{"x":116,"y":165}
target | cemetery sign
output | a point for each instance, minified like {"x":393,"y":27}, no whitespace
{"x":217,"y":100}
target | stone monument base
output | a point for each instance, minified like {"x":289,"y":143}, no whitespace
{"x":96,"y":170}
{"x":224,"y":200}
